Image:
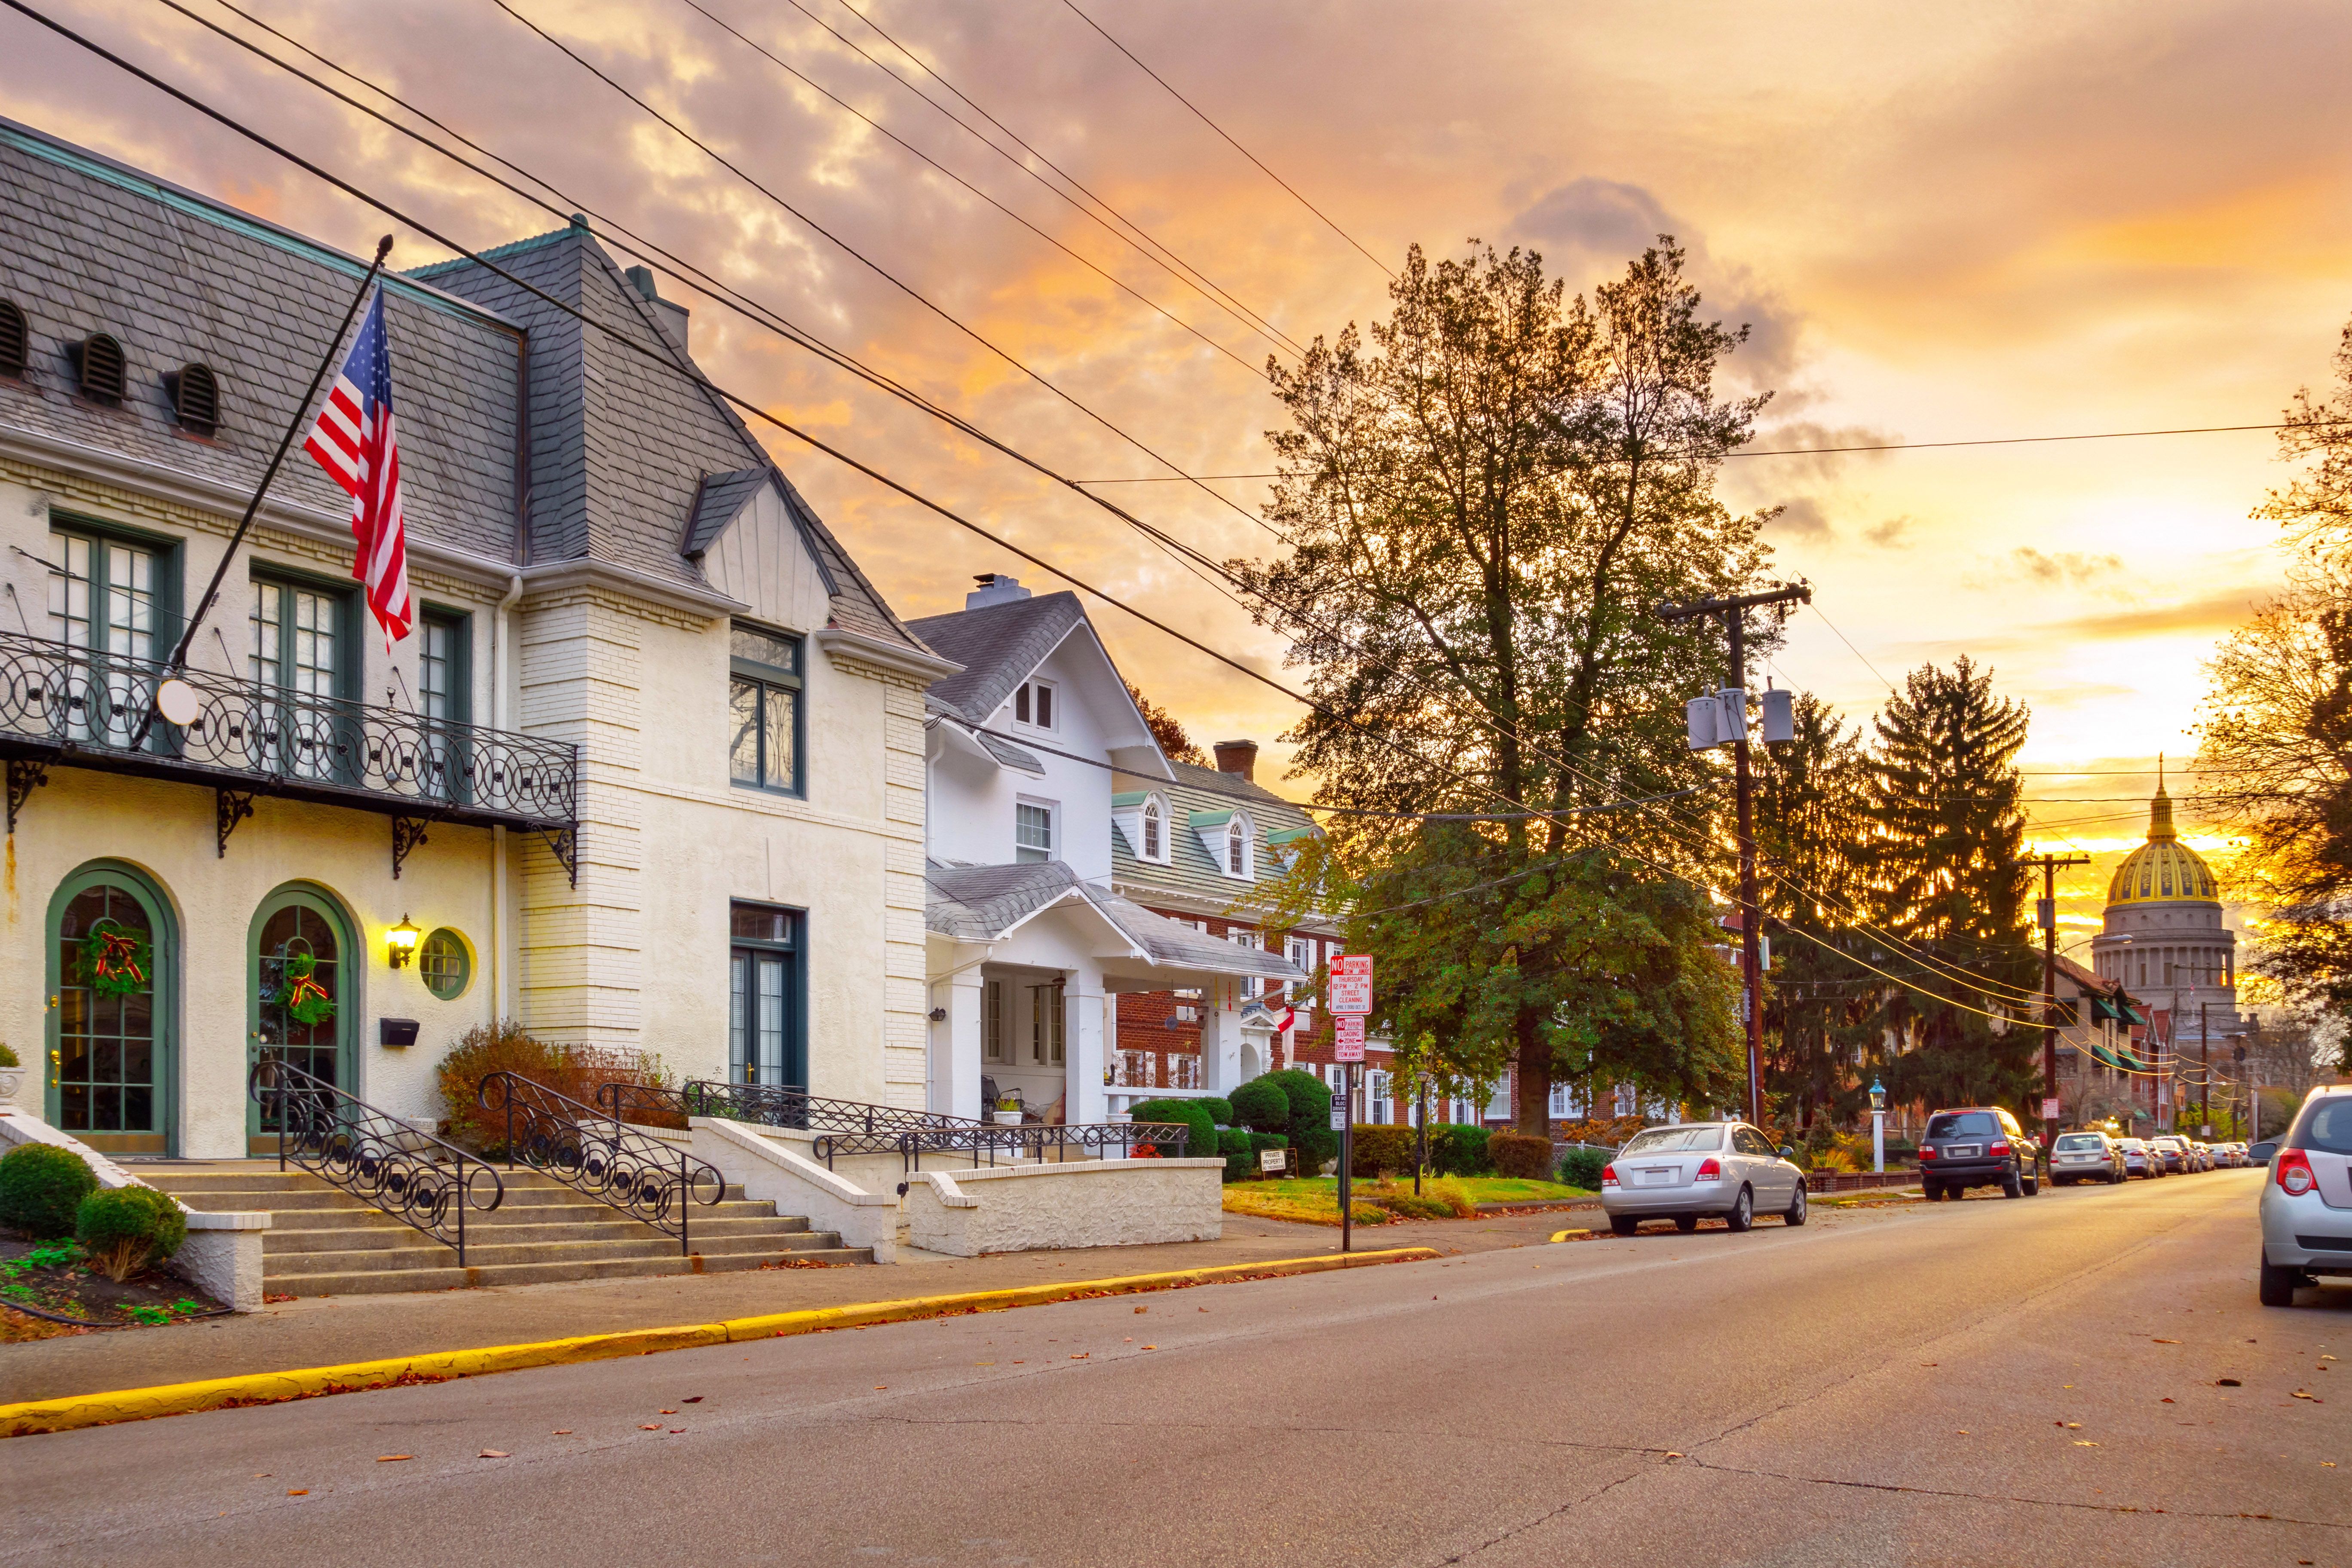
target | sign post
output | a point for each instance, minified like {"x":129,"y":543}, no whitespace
{"x":1352,"y":1001}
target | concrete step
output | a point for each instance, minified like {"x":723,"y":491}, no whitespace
{"x":375,"y":1282}
{"x":280,"y":1248}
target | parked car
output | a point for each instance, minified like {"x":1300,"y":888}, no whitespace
{"x":2306,"y":1203}
{"x":2200,"y":1155}
{"x":2261,"y":1153}
{"x":2139,"y":1160}
{"x":1977,"y":1146}
{"x":1724,"y":1170}
{"x":2085,"y":1157}
{"x":2174,"y":1149}
{"x":2229,"y":1156}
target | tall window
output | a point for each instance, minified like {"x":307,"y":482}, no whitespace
{"x":103,"y":599}
{"x":446,"y":679}
{"x":995,"y":1048}
{"x":765,"y":710}
{"x":107,"y":1077}
{"x":1151,"y":829}
{"x":765,"y":1034}
{"x":302,"y":645}
{"x":1033,"y":832}
{"x":1236,"y":848}
{"x":1046,"y":1019}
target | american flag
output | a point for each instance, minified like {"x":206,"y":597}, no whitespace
{"x":353,"y":441}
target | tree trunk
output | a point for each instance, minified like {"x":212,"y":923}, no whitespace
{"x":1531,"y":1082}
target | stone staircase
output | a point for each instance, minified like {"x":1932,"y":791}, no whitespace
{"x":323,"y":1241}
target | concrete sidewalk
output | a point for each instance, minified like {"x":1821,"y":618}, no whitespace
{"x":331,"y":1330}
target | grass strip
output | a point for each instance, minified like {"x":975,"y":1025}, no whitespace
{"x":76,"y":1411}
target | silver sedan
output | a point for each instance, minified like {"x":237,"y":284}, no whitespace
{"x":1701,"y":1168}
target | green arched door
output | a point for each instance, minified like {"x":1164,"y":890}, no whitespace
{"x":113,"y":966}
{"x":302,"y":964}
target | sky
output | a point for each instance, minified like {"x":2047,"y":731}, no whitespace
{"x":1942,"y":224}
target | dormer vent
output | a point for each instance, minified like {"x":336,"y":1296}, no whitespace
{"x":99,"y":368}
{"x":194,"y":392}
{"x":13,"y":339}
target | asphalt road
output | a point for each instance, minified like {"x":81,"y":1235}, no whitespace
{"x":1987,"y":1382}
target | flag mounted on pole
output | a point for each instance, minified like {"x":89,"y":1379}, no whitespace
{"x":354,"y":442}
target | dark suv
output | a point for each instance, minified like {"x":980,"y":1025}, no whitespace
{"x":1978,"y":1146}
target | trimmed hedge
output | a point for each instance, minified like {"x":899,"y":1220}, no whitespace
{"x":1582,"y":1167}
{"x":1459,"y":1150}
{"x":1519,"y":1155}
{"x":1311,"y":1117}
{"x":1241,"y":1147}
{"x":1220,"y":1111}
{"x":1202,"y":1144}
{"x":1382,"y":1151}
{"x":1262,"y":1106}
{"x":41,"y":1186}
{"x":126,"y":1229}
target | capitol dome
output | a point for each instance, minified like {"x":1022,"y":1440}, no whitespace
{"x":2163,"y":869}
{"x":2165,"y":935}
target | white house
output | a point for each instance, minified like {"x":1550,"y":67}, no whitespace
{"x":1029,"y":944}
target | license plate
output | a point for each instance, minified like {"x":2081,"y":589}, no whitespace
{"x":1963,"y":1151}
{"x":1659,"y":1178}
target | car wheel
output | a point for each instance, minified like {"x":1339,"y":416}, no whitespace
{"x":1624,"y":1224}
{"x":1687,"y":1223}
{"x":1743,"y":1210}
{"x":2034,"y":1186}
{"x":1930,"y":1191}
{"x":2010,"y":1185}
{"x":1796,"y":1215}
{"x":2277,"y":1284}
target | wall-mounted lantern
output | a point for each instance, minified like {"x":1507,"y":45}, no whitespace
{"x":400,"y":944}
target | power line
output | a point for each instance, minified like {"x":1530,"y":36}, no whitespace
{"x":1229,"y":141}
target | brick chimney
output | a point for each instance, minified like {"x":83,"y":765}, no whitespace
{"x":1238,"y":757}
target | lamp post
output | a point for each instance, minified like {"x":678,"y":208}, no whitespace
{"x":1877,"y":1126}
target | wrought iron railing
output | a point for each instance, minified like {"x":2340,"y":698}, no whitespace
{"x":593,"y":1153}
{"x":374,"y":1155}
{"x":251,"y":734}
{"x":854,"y":1127}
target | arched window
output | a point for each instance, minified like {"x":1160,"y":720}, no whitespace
{"x":113,"y":967}
{"x":1151,"y":829}
{"x":1236,"y":848}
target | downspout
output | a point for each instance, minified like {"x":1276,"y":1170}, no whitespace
{"x":498,"y":830}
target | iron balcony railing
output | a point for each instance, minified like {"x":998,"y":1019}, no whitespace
{"x":595,"y":1155}
{"x":374,"y":1155}
{"x":854,"y":1127}
{"x":59,"y":701}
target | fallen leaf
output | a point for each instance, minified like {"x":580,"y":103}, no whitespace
{"x":644,"y":1428}
{"x":677,"y":1431}
{"x":1080,"y":1355}
{"x":983,"y":1364}
{"x":2168,"y":1401}
{"x":2228,"y":1382}
{"x":298,"y":1491}
{"x":1672,"y":1455}
{"x":2329,"y":1464}
{"x":1151,"y":1347}
{"x":880,"y":1386}
{"x":664,"y":1412}
{"x":261,"y":1475}
{"x":496,"y":1454}
{"x":2166,"y":1342}
{"x":1143,"y":1309}
{"x":2085,"y":1443}
{"x":2074,"y":1425}
{"x":1963,"y":1432}
{"x":563,"y":1431}
{"x":2300,"y":1394}
{"x":392,"y":1458}
{"x":695,"y":1400}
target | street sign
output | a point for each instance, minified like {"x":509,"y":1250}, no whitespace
{"x":1351,"y":983}
{"x":2050,"y":1108}
{"x":1347,"y":1037}
{"x":1339,"y":1112}
{"x":1273,"y":1160}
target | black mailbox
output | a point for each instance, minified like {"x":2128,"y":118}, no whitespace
{"x":397,"y":1031}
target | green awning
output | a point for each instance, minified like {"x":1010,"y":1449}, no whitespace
{"x":2133,"y":1015}
{"x":2105,"y":1011}
{"x":2105,"y":1055}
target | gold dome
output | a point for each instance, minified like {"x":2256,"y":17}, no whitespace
{"x":2163,"y":869}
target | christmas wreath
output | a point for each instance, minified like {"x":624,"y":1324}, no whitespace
{"x":115,"y":961}
{"x":300,"y":997}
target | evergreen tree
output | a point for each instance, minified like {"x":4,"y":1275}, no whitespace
{"x":1946,"y":856}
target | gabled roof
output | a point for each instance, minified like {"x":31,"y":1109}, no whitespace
{"x":998,"y":646}
{"x":1203,"y":799}
{"x":987,"y":903}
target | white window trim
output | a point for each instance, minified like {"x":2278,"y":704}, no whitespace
{"x":1154,"y":810}
{"x":1031,"y":686}
{"x":1052,"y":810}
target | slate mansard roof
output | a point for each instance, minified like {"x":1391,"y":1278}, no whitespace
{"x":620,"y":445}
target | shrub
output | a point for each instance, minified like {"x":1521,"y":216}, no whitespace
{"x":8,"y":1056}
{"x":1188,"y":1113}
{"x":1220,"y":1111}
{"x":1459,"y":1151}
{"x":1241,"y":1160}
{"x":1449,"y":1191}
{"x":1582,"y":1168}
{"x":1261,"y":1105}
{"x":127,"y":1228}
{"x":1310,"y":1118}
{"x":1402,"y":1201}
{"x":1382,"y":1151}
{"x":574,"y":1070}
{"x":41,"y":1186}
{"x":1519,"y":1155}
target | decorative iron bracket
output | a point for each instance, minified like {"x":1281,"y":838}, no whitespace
{"x":25,"y":774}
{"x":407,"y":832}
{"x":230,"y":806}
{"x":564,"y":843}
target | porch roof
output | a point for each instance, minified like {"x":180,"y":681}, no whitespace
{"x":988,"y":903}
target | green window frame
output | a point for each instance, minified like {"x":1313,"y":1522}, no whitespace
{"x":303,"y":639}
{"x":73,"y":1064}
{"x":99,"y":604}
{"x":445,"y":961}
{"x":445,"y":665}
{"x":318,"y":923}
{"x":767,"y":727}
{"x":767,"y":1011}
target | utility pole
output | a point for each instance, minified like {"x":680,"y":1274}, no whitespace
{"x":1734,"y":612}
{"x":2205,"y":1065}
{"x":2045,"y":915}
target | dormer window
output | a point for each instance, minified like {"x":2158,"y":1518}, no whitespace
{"x":1154,"y":831}
{"x":1033,"y":704}
{"x":1236,"y":848}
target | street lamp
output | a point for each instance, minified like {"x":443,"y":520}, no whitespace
{"x":1877,"y":1126}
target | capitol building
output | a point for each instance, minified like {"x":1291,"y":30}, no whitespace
{"x":2163,"y":940}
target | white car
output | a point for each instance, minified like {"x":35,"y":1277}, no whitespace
{"x":1699,"y":1169}
{"x":2306,"y":1206}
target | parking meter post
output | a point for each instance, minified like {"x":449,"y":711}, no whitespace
{"x":1347,"y":1156}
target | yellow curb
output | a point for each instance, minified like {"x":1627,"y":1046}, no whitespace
{"x":76,"y":1411}
{"x":1564,"y":1234}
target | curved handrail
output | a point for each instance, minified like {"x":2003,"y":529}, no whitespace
{"x":372,"y":1155}
{"x":596,"y":1154}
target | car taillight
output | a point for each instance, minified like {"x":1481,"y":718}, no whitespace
{"x":1926,"y":1153}
{"x":1608,"y":1175}
{"x":1998,"y":1149}
{"x":1708,"y":1171}
{"x":2294,"y":1172}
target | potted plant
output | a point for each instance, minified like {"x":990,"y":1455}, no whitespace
{"x":11,"y":1077}
{"x":1008,"y":1111}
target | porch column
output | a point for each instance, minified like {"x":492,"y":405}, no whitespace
{"x":955,"y":1046}
{"x":1083,"y":1096}
{"x":1221,"y":1038}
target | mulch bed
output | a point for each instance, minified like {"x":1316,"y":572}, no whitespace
{"x":52,"y":1277}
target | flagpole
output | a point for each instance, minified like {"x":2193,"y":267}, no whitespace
{"x":179,"y":658}
{"x":294,"y":427}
